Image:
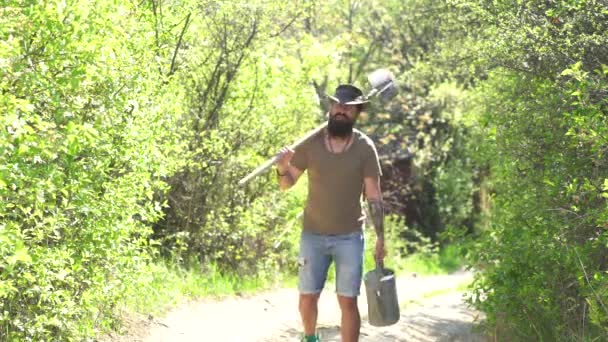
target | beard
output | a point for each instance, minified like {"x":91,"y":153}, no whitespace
{"x":339,"y":128}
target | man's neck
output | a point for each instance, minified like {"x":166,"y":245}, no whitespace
{"x":338,"y":144}
{"x":340,"y":138}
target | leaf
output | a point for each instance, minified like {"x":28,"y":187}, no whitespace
{"x":567,"y":72}
{"x":25,"y":106}
{"x":548,"y":182}
{"x":62,"y":274}
{"x":21,"y":255}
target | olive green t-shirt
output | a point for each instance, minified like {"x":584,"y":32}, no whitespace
{"x":335,"y":183}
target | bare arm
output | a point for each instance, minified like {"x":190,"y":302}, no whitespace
{"x":287,"y":173}
{"x":374,"y":200}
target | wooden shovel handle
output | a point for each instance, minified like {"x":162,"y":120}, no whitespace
{"x":268,"y":163}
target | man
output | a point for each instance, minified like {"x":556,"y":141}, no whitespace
{"x":342,"y":162}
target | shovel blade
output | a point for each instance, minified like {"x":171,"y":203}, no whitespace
{"x":382,"y":301}
{"x":384,"y":84}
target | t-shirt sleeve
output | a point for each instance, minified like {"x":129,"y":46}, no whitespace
{"x":371,"y":164}
{"x":300,"y":158}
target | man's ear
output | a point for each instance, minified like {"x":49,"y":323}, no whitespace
{"x":330,"y":106}
{"x":359,"y":110}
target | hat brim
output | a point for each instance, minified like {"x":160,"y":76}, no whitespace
{"x":353,"y":102}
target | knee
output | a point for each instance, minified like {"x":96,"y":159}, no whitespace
{"x":348,"y":304}
{"x":308,"y":301}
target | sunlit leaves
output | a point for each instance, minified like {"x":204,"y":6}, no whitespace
{"x":86,"y":122}
{"x":544,"y":106}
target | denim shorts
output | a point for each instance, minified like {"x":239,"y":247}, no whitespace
{"x":317,"y":251}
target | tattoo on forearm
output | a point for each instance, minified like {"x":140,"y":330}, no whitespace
{"x":377,"y":212}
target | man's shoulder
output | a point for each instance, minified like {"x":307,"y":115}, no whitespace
{"x":306,"y":144}
{"x":363,"y":138}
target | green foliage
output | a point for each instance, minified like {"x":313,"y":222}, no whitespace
{"x":546,"y":237}
{"x":82,"y":152}
{"x":541,"y":108}
{"x":422,"y":129}
{"x":245,"y":103}
{"x":128,"y":125}
{"x":408,"y":250}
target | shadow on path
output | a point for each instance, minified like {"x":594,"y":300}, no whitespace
{"x":442,"y":318}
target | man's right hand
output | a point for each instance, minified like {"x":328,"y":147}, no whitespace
{"x":283,"y":158}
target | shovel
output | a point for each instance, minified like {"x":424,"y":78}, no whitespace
{"x":381,"y":292}
{"x":384,"y":87}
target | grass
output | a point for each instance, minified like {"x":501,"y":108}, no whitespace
{"x":164,"y":286}
{"x":446,"y":261}
{"x":460,"y":287}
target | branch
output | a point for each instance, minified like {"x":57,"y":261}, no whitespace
{"x":221,"y":91}
{"x":365,"y":58}
{"x":320,"y":90}
{"x":286,"y":26}
{"x":255,"y":90}
{"x":597,"y":297}
{"x":404,"y":47}
{"x":179,"y":43}
{"x":156,"y":28}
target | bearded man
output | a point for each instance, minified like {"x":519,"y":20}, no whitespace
{"x":342,"y":164}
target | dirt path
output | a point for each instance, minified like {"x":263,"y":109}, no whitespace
{"x":432,"y":310}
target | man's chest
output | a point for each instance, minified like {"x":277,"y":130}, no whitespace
{"x":341,"y":168}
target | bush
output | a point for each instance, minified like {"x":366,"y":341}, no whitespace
{"x":81,"y":155}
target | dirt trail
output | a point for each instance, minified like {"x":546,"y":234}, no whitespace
{"x":432,"y":310}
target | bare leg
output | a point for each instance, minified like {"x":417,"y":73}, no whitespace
{"x":351,"y":321}
{"x":308,"y":312}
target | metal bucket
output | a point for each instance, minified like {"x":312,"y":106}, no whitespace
{"x":382,"y":301}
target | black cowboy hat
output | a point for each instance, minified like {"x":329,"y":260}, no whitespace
{"x":348,"y":94}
